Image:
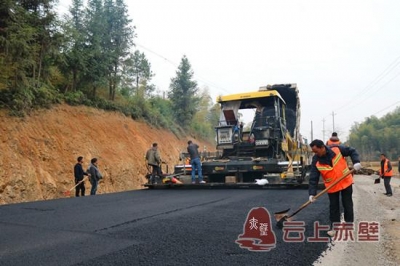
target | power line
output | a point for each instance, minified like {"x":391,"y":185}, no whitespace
{"x":205,"y":81}
{"x":166,"y":59}
{"x":383,"y":74}
{"x":380,"y":88}
{"x":386,"y":108}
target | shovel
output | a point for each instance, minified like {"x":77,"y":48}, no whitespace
{"x":377,"y":180}
{"x":68,"y":192}
{"x":283,"y":216}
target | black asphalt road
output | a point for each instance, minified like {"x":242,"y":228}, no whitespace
{"x":153,"y":227}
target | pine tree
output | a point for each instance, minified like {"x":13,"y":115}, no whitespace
{"x":137,"y":72}
{"x":183,"y":94}
{"x":119,"y":39}
{"x":74,"y":50}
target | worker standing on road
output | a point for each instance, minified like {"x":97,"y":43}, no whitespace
{"x":193,"y":150}
{"x":334,"y":140}
{"x":95,"y":175}
{"x":329,"y":162}
{"x":386,"y":173}
{"x":154,"y":160}
{"x":79,"y":174}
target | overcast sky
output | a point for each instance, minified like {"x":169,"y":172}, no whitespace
{"x":343,"y":55}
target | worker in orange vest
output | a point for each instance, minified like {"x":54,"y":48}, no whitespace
{"x":329,"y":162}
{"x":334,"y":140}
{"x":386,"y":172}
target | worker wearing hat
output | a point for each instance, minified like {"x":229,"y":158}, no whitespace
{"x":330,"y":163}
{"x":334,"y":140}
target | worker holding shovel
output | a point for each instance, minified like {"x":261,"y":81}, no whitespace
{"x":329,"y":162}
{"x":79,"y":175}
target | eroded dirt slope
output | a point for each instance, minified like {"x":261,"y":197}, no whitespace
{"x":37,"y":153}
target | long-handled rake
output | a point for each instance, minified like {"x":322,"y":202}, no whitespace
{"x":68,"y":192}
{"x":283,"y":216}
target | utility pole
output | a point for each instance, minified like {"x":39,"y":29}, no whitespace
{"x":333,"y":121}
{"x":323,"y":129}
{"x":312,"y":134}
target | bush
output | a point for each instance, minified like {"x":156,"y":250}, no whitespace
{"x":20,"y":101}
{"x":75,"y":98}
{"x":45,"y":96}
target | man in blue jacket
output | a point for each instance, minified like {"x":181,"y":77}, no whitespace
{"x":193,"y":151}
{"x":330,"y":163}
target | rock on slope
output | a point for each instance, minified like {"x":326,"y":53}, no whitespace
{"x":37,"y":153}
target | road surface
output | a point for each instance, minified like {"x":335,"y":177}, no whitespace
{"x":154,"y":227}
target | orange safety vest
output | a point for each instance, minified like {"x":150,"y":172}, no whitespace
{"x":333,"y":142}
{"x":385,"y":167}
{"x":338,"y":169}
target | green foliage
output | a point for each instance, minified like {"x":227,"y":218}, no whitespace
{"x":74,"y":98}
{"x":206,"y":117}
{"x":85,"y":59}
{"x":375,"y":136}
{"x":45,"y":96}
{"x":137,"y":74}
{"x":183,"y":94}
{"x":22,"y":100}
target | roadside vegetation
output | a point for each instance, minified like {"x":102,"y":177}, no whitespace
{"x":377,"y":135}
{"x":88,"y":58}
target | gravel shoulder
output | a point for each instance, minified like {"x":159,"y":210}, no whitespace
{"x":370,"y":205}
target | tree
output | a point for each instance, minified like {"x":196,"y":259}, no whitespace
{"x":74,"y":29}
{"x":206,"y":118}
{"x":119,"y":40}
{"x":183,"y":94}
{"x":137,"y":71}
{"x":375,"y":136}
{"x":98,"y":59}
{"x":16,"y":35}
{"x":30,"y":40}
{"x":27,"y":41}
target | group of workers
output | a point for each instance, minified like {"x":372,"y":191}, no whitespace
{"x":92,"y":172}
{"x":153,"y":159}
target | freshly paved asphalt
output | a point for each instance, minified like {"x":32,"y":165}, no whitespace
{"x":153,"y":227}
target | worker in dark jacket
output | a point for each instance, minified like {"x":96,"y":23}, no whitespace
{"x":329,"y":162}
{"x":333,"y":140}
{"x":79,"y":175}
{"x":386,"y":172}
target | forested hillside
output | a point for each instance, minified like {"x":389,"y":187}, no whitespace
{"x":89,"y":58}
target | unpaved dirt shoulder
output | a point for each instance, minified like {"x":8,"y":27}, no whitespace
{"x":370,"y":205}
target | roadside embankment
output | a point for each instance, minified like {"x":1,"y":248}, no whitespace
{"x":38,"y":153}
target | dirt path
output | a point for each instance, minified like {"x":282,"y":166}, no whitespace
{"x":370,"y":205}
